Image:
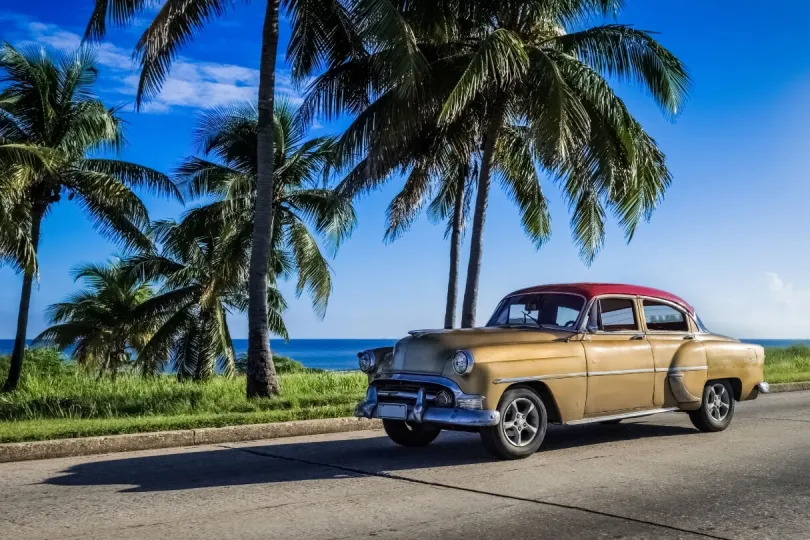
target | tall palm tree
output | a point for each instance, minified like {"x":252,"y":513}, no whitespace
{"x":324,"y":32}
{"x":206,"y":256}
{"x":445,"y":178}
{"x":536,"y":88}
{"x":230,"y":135}
{"x":48,"y":108}
{"x":100,"y":322}
{"x":200,"y":286}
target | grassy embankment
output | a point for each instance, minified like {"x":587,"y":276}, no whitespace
{"x":787,"y":364}
{"x":56,"y":400}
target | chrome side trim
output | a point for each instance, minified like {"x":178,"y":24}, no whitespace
{"x":599,"y":373}
{"x":539,"y":378}
{"x":623,"y":416}
{"x":679,"y":369}
{"x":620,"y":372}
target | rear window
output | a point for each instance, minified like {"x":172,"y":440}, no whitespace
{"x":617,"y":315}
{"x":662,"y":317}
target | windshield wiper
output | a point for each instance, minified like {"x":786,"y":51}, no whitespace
{"x":526,"y":314}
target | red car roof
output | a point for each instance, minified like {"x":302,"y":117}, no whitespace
{"x":589,"y":290}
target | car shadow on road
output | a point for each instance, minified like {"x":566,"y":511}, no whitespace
{"x":350,"y":457}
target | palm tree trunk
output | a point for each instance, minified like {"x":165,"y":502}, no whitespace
{"x":455,"y":246}
{"x":15,"y":369}
{"x":479,"y":215}
{"x":261,"y":373}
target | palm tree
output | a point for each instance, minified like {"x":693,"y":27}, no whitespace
{"x":207,"y":255}
{"x":444,"y":176}
{"x":541,"y":96}
{"x":200,"y":286}
{"x":324,"y":32}
{"x":100,"y":322}
{"x":230,"y":134}
{"x":48,"y":109}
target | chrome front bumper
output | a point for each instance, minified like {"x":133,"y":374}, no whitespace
{"x":421,"y":412}
{"x":764,"y":388}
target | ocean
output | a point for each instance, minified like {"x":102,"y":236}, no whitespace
{"x":341,"y":354}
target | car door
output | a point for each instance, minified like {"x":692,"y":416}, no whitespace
{"x":667,"y":330}
{"x":621,"y":373}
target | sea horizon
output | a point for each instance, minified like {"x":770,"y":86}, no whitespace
{"x":339,"y":354}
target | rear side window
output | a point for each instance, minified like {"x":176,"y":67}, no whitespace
{"x":664,"y":318}
{"x":617,"y":315}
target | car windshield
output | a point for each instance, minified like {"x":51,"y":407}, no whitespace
{"x":539,"y":309}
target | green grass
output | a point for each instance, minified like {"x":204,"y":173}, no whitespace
{"x":788,"y":364}
{"x":57,"y":400}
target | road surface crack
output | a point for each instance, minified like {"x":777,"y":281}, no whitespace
{"x":782,"y":419}
{"x":542,"y":502}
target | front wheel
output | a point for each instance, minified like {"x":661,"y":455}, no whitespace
{"x":408,"y":434}
{"x":521,"y":428}
{"x":716,"y":409}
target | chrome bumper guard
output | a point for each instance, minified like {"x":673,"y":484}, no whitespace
{"x":421,"y":412}
{"x":764,"y":388}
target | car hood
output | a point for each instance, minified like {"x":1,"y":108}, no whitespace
{"x":428,"y":351}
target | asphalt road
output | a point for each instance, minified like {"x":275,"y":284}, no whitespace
{"x":657,"y":478}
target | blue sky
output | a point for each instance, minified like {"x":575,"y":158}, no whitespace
{"x":730,"y":237}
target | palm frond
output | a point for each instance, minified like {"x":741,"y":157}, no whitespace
{"x":500,"y":59}
{"x":323,"y":34}
{"x":134,"y":175}
{"x":120,"y":12}
{"x":513,"y":161}
{"x":625,"y":52}
{"x":117,"y":213}
{"x":407,"y":204}
{"x":311,"y":267}
{"x":381,"y":25}
{"x":172,"y":28}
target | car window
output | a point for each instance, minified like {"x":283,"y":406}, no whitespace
{"x":617,"y":315}
{"x":538,"y":309}
{"x":566,"y":316}
{"x":663,"y":317}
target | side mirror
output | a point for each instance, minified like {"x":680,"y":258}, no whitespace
{"x":591,"y":329}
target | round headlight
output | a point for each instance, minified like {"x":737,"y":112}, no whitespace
{"x":462,"y":362}
{"x":367,"y":361}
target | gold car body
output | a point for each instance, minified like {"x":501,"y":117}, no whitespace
{"x":583,"y":374}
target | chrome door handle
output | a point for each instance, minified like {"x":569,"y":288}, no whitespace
{"x":637,"y":337}
{"x":689,"y":336}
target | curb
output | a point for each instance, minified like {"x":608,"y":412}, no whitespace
{"x":790,"y":387}
{"x":86,"y":446}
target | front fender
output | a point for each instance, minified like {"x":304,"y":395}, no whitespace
{"x":560,"y":366}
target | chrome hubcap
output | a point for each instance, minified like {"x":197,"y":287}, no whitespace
{"x":520,"y":422}
{"x":718,"y":402}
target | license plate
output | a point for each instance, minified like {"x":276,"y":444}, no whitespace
{"x":395,"y":411}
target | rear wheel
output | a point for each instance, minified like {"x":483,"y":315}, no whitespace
{"x":716,"y":409}
{"x":521,"y":428}
{"x":409,"y":434}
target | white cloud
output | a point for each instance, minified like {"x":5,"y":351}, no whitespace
{"x":770,"y":307}
{"x":785,"y":295}
{"x":190,"y":83}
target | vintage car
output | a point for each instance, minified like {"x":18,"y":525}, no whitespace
{"x":563,"y":354}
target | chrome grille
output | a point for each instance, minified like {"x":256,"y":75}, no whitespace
{"x":405,"y":392}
